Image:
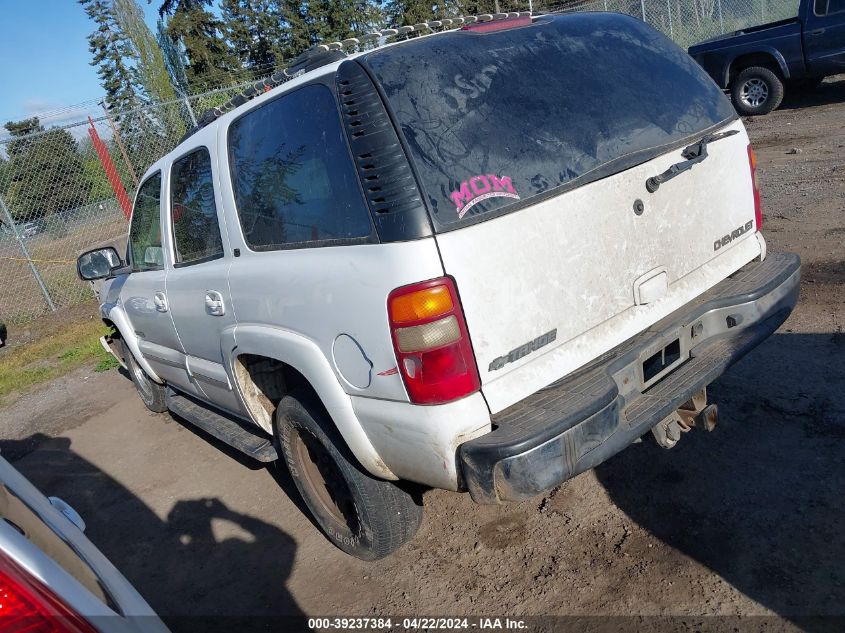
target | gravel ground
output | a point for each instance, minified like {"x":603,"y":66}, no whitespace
{"x":743,"y":521}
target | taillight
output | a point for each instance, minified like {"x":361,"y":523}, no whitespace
{"x":758,"y":208}
{"x":431,"y":342}
{"x":26,"y":605}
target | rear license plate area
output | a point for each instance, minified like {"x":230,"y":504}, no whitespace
{"x":661,"y":359}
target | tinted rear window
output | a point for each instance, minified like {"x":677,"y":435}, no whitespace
{"x":293,"y":178}
{"x":493,"y":120}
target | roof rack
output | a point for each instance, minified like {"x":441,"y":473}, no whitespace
{"x":322,"y":54}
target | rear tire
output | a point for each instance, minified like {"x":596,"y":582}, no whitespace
{"x":365,"y":517}
{"x":152,"y":394}
{"x":756,"y":90}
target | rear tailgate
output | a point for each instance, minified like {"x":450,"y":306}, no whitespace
{"x":552,"y":287}
{"x":533,"y":146}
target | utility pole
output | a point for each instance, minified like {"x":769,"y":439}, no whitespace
{"x":119,"y":141}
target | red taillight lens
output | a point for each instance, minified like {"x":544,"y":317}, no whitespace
{"x":27,"y":606}
{"x":431,"y":342}
{"x":758,"y":208}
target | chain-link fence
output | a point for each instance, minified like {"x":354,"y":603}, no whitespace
{"x":67,"y":189}
{"x":689,"y":21}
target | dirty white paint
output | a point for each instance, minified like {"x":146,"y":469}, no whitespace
{"x":571,"y":263}
{"x":420,"y":443}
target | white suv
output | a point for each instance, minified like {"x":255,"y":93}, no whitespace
{"x":482,"y":260}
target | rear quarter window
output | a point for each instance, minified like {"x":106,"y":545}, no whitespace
{"x":293,"y":178}
{"x":496,"y":120}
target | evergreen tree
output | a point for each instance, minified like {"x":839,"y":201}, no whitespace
{"x":332,"y":20}
{"x":410,"y":12}
{"x":151,"y":68}
{"x":5,"y":176}
{"x":298,"y":37}
{"x":210,"y":62}
{"x":117,"y":66}
{"x":256,"y":33}
{"x":112,"y":52}
{"x":174,"y":58}
{"x":477,"y":7}
{"x":44,"y":171}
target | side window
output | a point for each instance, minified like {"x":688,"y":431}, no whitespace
{"x":196,"y":231}
{"x":145,"y":230}
{"x":292,"y":175}
{"x":820,"y":7}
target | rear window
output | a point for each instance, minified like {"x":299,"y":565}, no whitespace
{"x":294,"y":181}
{"x":495,"y":120}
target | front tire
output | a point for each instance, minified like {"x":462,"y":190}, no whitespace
{"x":152,"y":394}
{"x":365,"y":517}
{"x":756,"y":90}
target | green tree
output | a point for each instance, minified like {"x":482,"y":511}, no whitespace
{"x":117,"y":60}
{"x":256,"y":31}
{"x":152,"y":70}
{"x":46,"y":174}
{"x":151,"y":66}
{"x":298,"y":36}
{"x":210,"y":62}
{"x":5,"y":175}
{"x":331,"y":20}
{"x":112,"y":53}
{"x":174,"y":58}
{"x":93,"y":172}
{"x":410,"y":12}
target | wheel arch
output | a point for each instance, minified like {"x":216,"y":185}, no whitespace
{"x":766,"y":57}
{"x":265,"y":362}
{"x":115,"y":317}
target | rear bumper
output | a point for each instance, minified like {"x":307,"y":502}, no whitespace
{"x":583,"y":419}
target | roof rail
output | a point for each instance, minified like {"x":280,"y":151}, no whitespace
{"x":322,"y":54}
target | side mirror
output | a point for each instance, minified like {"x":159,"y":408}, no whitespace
{"x":98,"y":263}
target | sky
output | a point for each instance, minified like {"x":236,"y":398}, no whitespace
{"x":45,"y":63}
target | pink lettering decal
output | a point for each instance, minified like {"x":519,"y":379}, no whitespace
{"x":501,"y":184}
{"x":473,"y":182}
{"x":462,"y":196}
{"x":480,"y":188}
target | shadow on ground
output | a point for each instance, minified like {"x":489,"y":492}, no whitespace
{"x":204,"y":567}
{"x":829,"y":92}
{"x":761,"y":500}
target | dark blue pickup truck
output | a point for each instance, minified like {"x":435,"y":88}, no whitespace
{"x":756,"y":63}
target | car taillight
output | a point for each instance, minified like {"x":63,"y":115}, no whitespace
{"x":758,"y":208}
{"x":431,"y":342}
{"x":26,"y":605}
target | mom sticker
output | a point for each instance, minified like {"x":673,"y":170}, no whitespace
{"x":479,"y":188}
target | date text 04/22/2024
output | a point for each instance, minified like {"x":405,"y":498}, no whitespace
{"x":411,"y":624}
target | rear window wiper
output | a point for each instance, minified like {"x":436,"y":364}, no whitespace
{"x":694,"y":154}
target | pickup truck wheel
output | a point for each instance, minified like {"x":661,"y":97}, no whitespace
{"x":756,"y":90}
{"x":365,"y":517}
{"x":151,"y":393}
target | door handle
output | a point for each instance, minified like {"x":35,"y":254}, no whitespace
{"x":817,"y":32}
{"x":214,"y":303}
{"x":160,"y":302}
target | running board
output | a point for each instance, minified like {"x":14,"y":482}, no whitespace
{"x":226,"y":428}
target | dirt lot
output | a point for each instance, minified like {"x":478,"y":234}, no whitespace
{"x":744,"y":521}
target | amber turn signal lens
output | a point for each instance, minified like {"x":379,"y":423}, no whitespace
{"x":421,"y":305}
